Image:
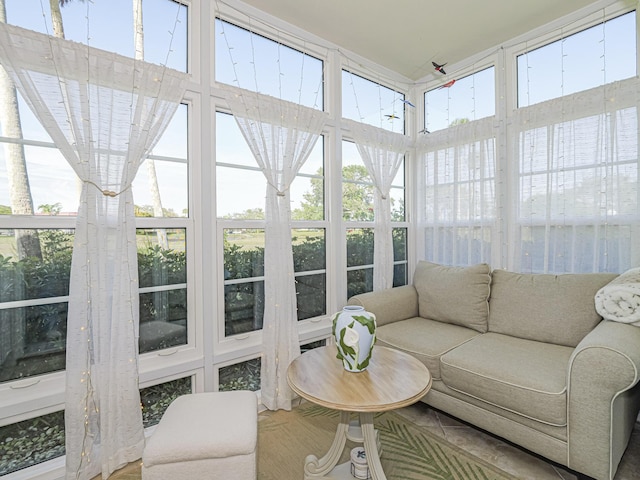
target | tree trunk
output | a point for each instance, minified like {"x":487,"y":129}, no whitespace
{"x":156,"y":200}
{"x":56,"y":18}
{"x":27,"y":240}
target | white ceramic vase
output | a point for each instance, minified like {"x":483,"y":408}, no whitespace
{"x":354,"y":330}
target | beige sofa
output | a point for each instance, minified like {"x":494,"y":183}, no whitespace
{"x":523,"y":356}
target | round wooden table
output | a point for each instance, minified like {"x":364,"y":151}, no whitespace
{"x":393,"y":379}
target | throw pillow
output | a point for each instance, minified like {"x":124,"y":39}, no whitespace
{"x":457,"y":295}
{"x":545,"y":307}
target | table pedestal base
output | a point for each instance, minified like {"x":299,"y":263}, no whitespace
{"x":364,"y":433}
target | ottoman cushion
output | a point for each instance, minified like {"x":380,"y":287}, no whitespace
{"x":204,"y":426}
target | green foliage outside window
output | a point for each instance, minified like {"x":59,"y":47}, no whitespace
{"x":155,"y":400}
{"x":30,"y":442}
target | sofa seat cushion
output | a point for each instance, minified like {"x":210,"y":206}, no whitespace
{"x":548,"y":308}
{"x":523,"y":376}
{"x":457,"y":295}
{"x":426,"y":340}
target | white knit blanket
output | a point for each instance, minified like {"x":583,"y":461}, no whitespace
{"x":619,"y":300}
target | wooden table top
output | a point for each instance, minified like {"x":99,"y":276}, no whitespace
{"x":393,"y":379}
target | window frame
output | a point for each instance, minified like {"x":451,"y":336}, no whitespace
{"x":248,"y":344}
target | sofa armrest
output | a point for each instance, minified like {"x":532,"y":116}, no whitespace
{"x":390,"y":305}
{"x":603,"y":398}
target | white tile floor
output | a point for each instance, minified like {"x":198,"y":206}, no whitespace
{"x":518,"y":462}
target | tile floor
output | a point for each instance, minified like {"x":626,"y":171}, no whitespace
{"x":520,"y":463}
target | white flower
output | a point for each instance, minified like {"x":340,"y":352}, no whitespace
{"x":351,"y":337}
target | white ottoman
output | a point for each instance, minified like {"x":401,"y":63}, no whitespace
{"x":205,"y":436}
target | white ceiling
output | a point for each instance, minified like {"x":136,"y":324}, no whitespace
{"x":406,"y":35}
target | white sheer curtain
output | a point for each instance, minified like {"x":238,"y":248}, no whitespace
{"x":457,"y":186}
{"x":577,"y":206}
{"x":382,"y":153}
{"x":105,"y":113}
{"x":281,"y":136}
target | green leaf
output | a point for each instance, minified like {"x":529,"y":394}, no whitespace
{"x":369,"y":322}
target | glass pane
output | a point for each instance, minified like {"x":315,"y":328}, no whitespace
{"x":162,"y":256}
{"x":161,"y":186}
{"x":243,"y":307}
{"x":241,"y":186}
{"x":156,"y":399}
{"x":102,"y":19}
{"x":240,"y":193}
{"x":243,"y":253}
{"x":160,"y":189}
{"x":357,"y":199}
{"x":166,"y":36}
{"x":250,"y":61}
{"x":34,"y":263}
{"x":174,"y":141}
{"x":28,"y":128}
{"x":315,"y":162}
{"x":399,"y":244}
{"x":163,"y":312}
{"x":598,"y":55}
{"x":163,"y":319}
{"x":307,"y":198}
{"x":33,"y":340}
{"x":369,"y":102}
{"x":359,"y":281}
{"x":311,"y":295}
{"x":357,"y":186}
{"x":576,"y":248}
{"x":231,"y":147}
{"x":240,"y":376}
{"x":30,"y":442}
{"x":308,"y":249}
{"x":461,"y":245}
{"x":310,"y":346}
{"x":359,"y":247}
{"x":51,"y":184}
{"x":400,"y":275}
{"x":397,"y":204}
{"x":470,"y":98}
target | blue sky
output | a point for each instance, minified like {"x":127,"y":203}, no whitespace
{"x":165,"y":29}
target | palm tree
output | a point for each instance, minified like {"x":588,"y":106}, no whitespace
{"x":156,"y":201}
{"x":56,"y":17}
{"x":27,"y":241}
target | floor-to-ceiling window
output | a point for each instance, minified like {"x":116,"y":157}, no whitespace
{"x":372,"y":103}
{"x":575,"y":131}
{"x":457,"y":181}
{"x":532,"y":164}
{"x":253,"y":59}
{"x":39,"y":195}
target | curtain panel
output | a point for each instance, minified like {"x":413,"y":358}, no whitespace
{"x":281,"y":136}
{"x":105,"y":113}
{"x":551,"y":189}
{"x":577,"y":182}
{"x":382,"y":153}
{"x":457,"y":185}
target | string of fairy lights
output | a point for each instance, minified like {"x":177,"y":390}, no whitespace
{"x":90,"y":402}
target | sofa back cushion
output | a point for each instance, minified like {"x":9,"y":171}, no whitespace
{"x":557,"y":309}
{"x":457,"y":295}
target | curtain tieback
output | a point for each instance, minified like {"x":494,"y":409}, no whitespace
{"x":105,"y":192}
